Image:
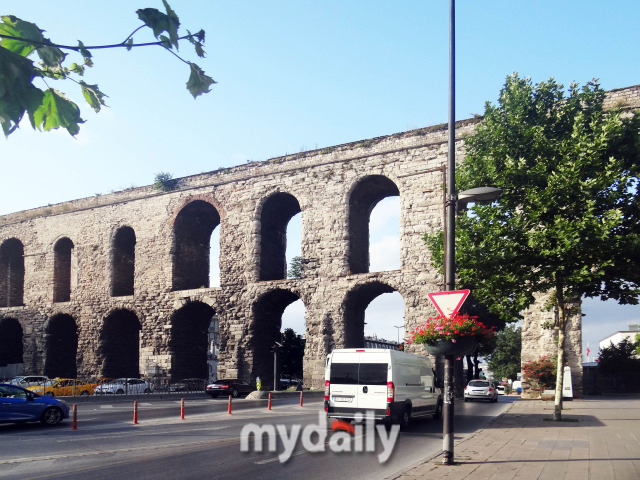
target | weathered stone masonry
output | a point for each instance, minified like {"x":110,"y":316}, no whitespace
{"x":113,"y":284}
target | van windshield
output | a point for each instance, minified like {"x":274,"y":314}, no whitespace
{"x":366,"y":374}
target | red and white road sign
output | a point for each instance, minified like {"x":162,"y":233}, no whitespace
{"x":448,"y":303}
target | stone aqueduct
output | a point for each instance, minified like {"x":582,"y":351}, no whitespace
{"x":111,"y":284}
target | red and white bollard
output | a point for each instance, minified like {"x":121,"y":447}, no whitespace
{"x":135,"y":412}
{"x":229,"y":410}
{"x":182,"y":409}
{"x":300,"y":398}
{"x":269,"y":404}
{"x":75,"y":417}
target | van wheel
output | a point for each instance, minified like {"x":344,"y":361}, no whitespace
{"x":405,"y":417}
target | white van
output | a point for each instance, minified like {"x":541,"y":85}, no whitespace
{"x":393,"y":386}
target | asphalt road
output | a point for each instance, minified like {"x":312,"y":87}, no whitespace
{"x":207,"y":443}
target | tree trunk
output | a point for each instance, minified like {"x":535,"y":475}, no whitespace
{"x":469,"y":368}
{"x":557,"y":409}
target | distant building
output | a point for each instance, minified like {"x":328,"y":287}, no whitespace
{"x":616,"y":338}
{"x":375,"y":342}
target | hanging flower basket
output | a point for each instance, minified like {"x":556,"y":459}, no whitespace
{"x":462,"y":346}
{"x":452,"y":335}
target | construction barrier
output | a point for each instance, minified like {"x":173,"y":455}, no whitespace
{"x":182,"y":409}
{"x":135,"y":412}
{"x":269,"y":404}
{"x":300,"y":398}
{"x":229,"y":410}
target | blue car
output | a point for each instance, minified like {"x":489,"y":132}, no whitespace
{"x":18,"y":404}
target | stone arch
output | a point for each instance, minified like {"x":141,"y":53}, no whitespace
{"x":189,"y":341}
{"x":364,"y":196}
{"x":120,"y":344}
{"x":265,"y":331}
{"x":123,"y":262}
{"x":62,"y":253}
{"x":11,"y":273}
{"x":356,"y":302}
{"x":11,"y":347}
{"x":275,"y":214}
{"x":192,"y":231}
{"x":61,"y":347}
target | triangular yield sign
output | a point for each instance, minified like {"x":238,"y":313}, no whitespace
{"x":448,"y":303}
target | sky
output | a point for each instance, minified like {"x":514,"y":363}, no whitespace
{"x":295,"y":76}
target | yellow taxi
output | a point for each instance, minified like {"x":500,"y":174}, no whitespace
{"x":64,"y":387}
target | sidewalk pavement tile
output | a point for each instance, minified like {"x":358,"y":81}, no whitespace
{"x":598,"y":438}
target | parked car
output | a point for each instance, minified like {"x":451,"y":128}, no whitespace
{"x":188,"y":385}
{"x":18,"y":404}
{"x":122,"y":386}
{"x":29,"y":380}
{"x":64,"y":387}
{"x":480,"y":390}
{"x":500,"y":389}
{"x":232,"y":387}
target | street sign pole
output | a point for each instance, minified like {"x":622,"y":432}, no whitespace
{"x":448,"y":404}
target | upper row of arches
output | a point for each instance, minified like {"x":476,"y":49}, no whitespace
{"x":191,"y":250}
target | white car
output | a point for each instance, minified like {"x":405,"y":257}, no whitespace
{"x":500,"y":389}
{"x":122,"y":386}
{"x":29,"y":381}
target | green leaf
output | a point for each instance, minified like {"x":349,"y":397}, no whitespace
{"x":17,"y":93}
{"x":129,"y":43}
{"x":50,"y":55}
{"x":83,"y":51}
{"x":16,"y":27}
{"x":93,"y":95}
{"x":199,"y":50}
{"x":57,"y":111}
{"x":160,"y":22}
{"x":75,"y":68}
{"x":199,"y":83}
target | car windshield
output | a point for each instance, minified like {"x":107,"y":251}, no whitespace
{"x":478,"y":383}
{"x":51,"y":382}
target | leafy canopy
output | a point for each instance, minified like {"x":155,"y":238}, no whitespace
{"x":50,"y":109}
{"x":504,"y":360}
{"x":567,"y":219}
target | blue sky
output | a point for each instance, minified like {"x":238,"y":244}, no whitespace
{"x":299,"y":75}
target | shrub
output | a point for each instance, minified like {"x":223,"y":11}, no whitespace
{"x":541,"y":373}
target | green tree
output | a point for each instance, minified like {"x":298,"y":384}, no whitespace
{"x":638,"y":344}
{"x":619,"y":359}
{"x":50,"y":109}
{"x":567,"y":220}
{"x":505,"y":359}
{"x":295,"y":268}
{"x":292,"y":354}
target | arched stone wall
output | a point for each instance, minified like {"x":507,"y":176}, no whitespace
{"x":334,"y":187}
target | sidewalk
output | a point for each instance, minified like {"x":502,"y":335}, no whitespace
{"x":598,"y":438}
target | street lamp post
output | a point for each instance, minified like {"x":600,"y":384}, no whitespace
{"x":448,"y":402}
{"x":452,"y":202}
{"x":275,"y":365}
{"x":398,"y":327}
